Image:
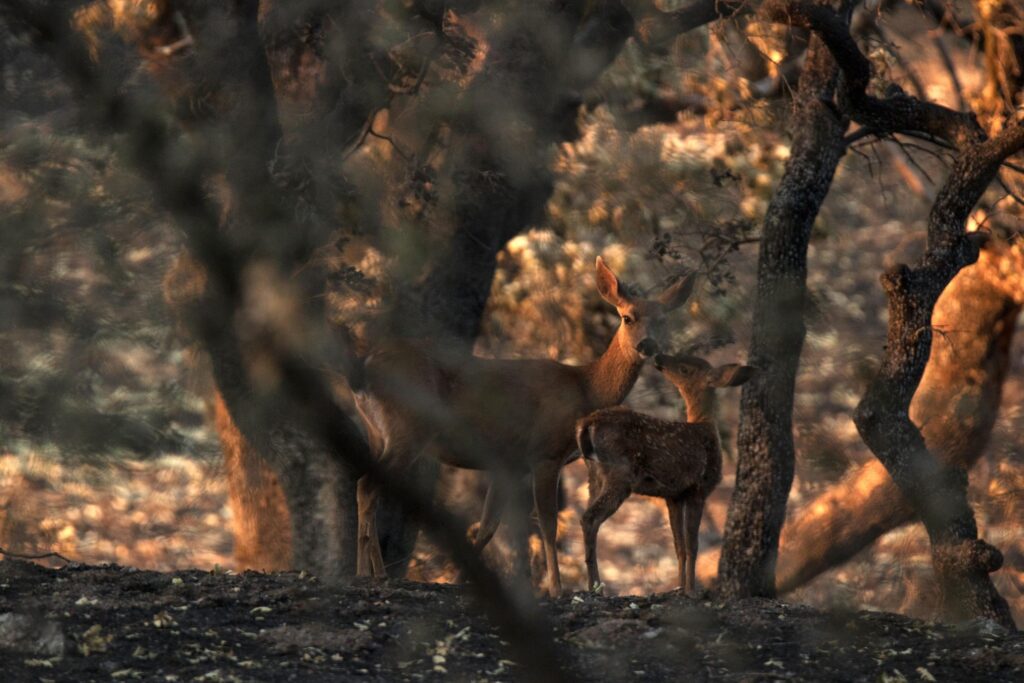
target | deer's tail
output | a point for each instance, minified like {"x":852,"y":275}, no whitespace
{"x":584,"y":439}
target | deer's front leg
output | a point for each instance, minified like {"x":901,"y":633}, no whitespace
{"x":676,"y":520}
{"x":545,"y":496}
{"x":606,"y":496}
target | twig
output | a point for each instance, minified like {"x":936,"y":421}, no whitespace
{"x":405,"y":155}
{"x":1016,"y":197}
{"x":859,"y":134}
{"x":42,"y":556}
{"x":947,"y":61}
{"x":945,"y":145}
{"x":367,"y":127}
{"x":890,"y":47}
{"x":913,"y":173}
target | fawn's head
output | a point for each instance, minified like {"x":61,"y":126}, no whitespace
{"x":696,"y":380}
{"x":643,"y":320}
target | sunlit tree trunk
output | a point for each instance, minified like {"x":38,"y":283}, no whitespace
{"x":955,"y":407}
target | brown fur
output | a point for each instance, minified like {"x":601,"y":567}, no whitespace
{"x":510,"y":417}
{"x":627,"y":452}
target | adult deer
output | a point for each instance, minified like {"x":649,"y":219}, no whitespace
{"x":509,"y":417}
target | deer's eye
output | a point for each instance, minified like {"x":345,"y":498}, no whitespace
{"x":628,"y":319}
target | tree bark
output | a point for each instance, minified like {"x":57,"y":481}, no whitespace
{"x":765,"y":463}
{"x":955,"y":407}
{"x":294,"y":506}
{"x":293,"y":500}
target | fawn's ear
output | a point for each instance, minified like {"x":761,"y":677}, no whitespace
{"x":731,"y":375}
{"x":608,"y":285}
{"x":676,"y":294}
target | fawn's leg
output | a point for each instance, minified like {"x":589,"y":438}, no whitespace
{"x":602,"y":505}
{"x":545,"y":497}
{"x":675,"y":520}
{"x":369,"y":561}
{"x":694,"y":511}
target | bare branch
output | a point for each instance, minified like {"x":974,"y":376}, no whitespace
{"x":655,"y":28}
{"x":40,"y":556}
{"x":897,"y":111}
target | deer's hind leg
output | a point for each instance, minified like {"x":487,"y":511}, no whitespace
{"x":490,"y":518}
{"x":694,"y":510}
{"x":607,"y":494}
{"x":545,"y":496}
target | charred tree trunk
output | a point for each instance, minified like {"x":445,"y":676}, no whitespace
{"x":293,"y":502}
{"x":955,"y":407}
{"x":937,"y":493}
{"x":764,"y":471}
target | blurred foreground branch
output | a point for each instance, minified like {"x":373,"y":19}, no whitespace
{"x":296,"y":394}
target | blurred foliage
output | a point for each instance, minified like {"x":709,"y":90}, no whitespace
{"x":87,"y":363}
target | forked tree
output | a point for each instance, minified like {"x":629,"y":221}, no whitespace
{"x":937,"y":493}
{"x":955,"y":406}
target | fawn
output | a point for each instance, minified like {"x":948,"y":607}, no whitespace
{"x":627,"y":452}
{"x":510,"y":417}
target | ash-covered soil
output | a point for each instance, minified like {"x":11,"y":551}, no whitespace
{"x":83,"y":623}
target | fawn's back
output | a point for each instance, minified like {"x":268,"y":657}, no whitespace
{"x":659,"y":457}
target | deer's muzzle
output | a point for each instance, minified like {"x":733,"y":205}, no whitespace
{"x":647,"y":347}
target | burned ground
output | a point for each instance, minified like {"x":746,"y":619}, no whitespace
{"x":108,"y":622}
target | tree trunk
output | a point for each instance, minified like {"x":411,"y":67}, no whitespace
{"x":765,"y":464}
{"x":955,"y":407}
{"x":937,"y":492}
{"x":502,"y":186}
{"x":293,"y":502}
{"x":262,"y":525}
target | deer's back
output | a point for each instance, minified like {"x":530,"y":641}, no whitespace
{"x":475,"y":409}
{"x":661,"y":457}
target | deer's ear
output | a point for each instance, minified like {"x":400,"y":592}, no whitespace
{"x":676,"y":294}
{"x":608,"y":284}
{"x":731,"y":375}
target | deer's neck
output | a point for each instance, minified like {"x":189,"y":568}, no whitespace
{"x":699,"y":408}
{"x":610,"y":378}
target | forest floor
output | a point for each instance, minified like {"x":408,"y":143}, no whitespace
{"x":86,"y":623}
